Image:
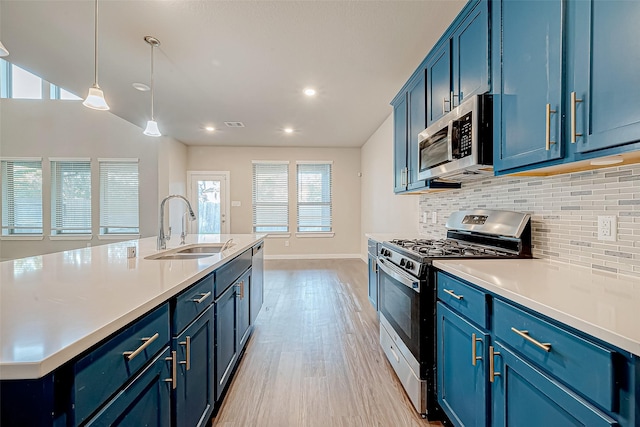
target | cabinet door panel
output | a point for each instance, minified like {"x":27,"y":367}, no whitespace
{"x":144,"y":402}
{"x":417,"y":123}
{"x":257,"y":282}
{"x":373,"y":282}
{"x":244,"y":319}
{"x":195,"y":387}
{"x":400,"y":146}
{"x":439,"y":84}
{"x":471,"y":53}
{"x":462,"y":387}
{"x":226,"y":342}
{"x":607,"y":76}
{"x":531,"y":43}
{"x":523,"y":396}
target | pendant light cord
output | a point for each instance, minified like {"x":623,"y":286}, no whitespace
{"x":95,"y":48}
{"x":152,"y":46}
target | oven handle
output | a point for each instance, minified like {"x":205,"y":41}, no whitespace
{"x":399,"y":275}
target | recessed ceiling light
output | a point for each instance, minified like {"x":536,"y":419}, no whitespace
{"x":141,"y":87}
{"x":605,"y":161}
{"x":288,"y":130}
{"x":210,"y":128}
{"x":309,"y":91}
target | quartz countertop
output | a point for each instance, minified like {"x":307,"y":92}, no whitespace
{"x":55,"y":306}
{"x":601,"y":304}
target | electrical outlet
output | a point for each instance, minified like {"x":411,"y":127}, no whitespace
{"x":434,"y":217}
{"x":131,"y":251}
{"x":286,"y":243}
{"x":424,"y":217}
{"x":607,"y":228}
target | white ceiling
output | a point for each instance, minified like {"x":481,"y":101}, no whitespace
{"x":235,"y":61}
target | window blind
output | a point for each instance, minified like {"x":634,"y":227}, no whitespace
{"x":70,"y":197}
{"x":271,"y":197}
{"x":314,"y":197}
{"x":119,"y":197}
{"x":21,"y":197}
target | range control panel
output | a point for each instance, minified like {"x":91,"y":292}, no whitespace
{"x":475,"y":219}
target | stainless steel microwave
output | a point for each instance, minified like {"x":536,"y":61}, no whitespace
{"x":459,"y":146}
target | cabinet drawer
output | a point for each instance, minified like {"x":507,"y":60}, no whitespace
{"x":581,"y":364}
{"x":103,"y":371}
{"x":463,"y":298}
{"x":228,"y":273}
{"x":191,"y":303}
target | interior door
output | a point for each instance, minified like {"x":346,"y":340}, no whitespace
{"x":208,"y":196}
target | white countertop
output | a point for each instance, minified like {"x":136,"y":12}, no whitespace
{"x":604,"y":305}
{"x":53,"y":307}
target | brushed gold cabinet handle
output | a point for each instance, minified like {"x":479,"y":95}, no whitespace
{"x":187,"y":344}
{"x":174,"y":370}
{"x":574,"y":134}
{"x":474,"y":356}
{"x":450,"y":292}
{"x":147,"y":342}
{"x":548,"y":128}
{"x":202,"y":298}
{"x":525,"y":334}
{"x":492,"y":372}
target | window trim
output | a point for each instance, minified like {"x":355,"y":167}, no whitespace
{"x":54,"y":234}
{"x":25,"y":236}
{"x":305,"y":234}
{"x":281,"y":233}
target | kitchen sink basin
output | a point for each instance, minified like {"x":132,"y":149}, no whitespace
{"x":201,"y":250}
{"x":177,"y":256}
{"x":190,"y":252}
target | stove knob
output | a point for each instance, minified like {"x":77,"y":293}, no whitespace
{"x":409,"y":265}
{"x":402,"y":262}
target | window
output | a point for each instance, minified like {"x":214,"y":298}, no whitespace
{"x":271,"y":196}
{"x":70,"y":196}
{"x":119,"y":197}
{"x":16,"y":82}
{"x":22,"y":197}
{"x":314,"y":197}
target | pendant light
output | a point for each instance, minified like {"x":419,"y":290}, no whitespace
{"x":95,"y":98}
{"x":152,"y":125}
{"x":3,"y":50}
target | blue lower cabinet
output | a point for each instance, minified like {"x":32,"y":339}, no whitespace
{"x":146,"y":401}
{"x":462,"y":367}
{"x":226,"y":326}
{"x":524,"y":396}
{"x":195,"y":390}
{"x":243,"y":287}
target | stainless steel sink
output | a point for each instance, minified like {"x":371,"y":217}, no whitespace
{"x":201,"y":250}
{"x":190,"y":252}
{"x":178,"y":256}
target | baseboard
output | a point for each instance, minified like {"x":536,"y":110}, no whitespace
{"x":314,"y":256}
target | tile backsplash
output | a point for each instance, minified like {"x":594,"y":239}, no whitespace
{"x":564,"y":211}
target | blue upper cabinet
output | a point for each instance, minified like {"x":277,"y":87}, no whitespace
{"x":400,"y":144}
{"x":528,"y":101}
{"x":459,"y":65}
{"x":470,"y":45}
{"x":439,"y":83}
{"x":605,"y":42}
{"x":416,"y":124}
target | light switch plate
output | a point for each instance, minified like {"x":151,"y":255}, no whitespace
{"x":236,"y":203}
{"x":131,"y":251}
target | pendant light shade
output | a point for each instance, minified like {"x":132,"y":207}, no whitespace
{"x":152,"y":129}
{"x":3,"y":50}
{"x":95,"y":98}
{"x":152,"y":125}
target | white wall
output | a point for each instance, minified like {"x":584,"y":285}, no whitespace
{"x":345,"y":197}
{"x":382,"y":210}
{"x":54,"y":128}
{"x":172,"y":178}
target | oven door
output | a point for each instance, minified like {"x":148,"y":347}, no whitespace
{"x":399,"y":303}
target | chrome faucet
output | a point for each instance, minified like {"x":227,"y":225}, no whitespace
{"x":162,"y":239}
{"x":226,"y":245}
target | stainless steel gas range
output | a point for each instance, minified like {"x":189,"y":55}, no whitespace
{"x":407,"y":290}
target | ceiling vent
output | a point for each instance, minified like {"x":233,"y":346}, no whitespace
{"x":234,"y":124}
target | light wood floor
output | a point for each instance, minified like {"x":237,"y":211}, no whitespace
{"x":314,"y":357}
